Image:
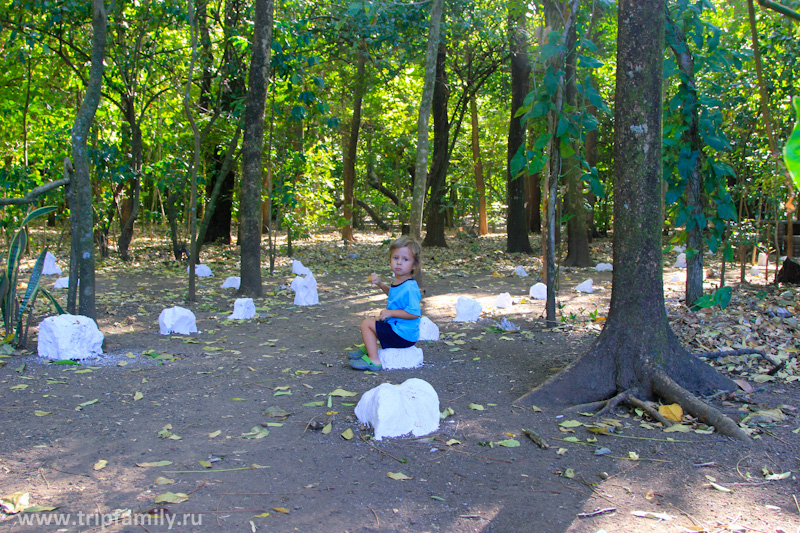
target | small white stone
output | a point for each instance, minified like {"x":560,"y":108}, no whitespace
{"x":232,"y":282}
{"x":428,"y":331}
{"x":396,"y":410}
{"x":503,"y":301}
{"x":177,"y":320}
{"x":538,"y":291}
{"x":69,"y":337}
{"x":467,"y":309}
{"x":201,"y":271}
{"x":520,"y":271}
{"x":394,"y":358}
{"x":50,"y":268}
{"x":680,"y":262}
{"x":604,"y":267}
{"x":586,"y":286}
{"x":243,"y":309}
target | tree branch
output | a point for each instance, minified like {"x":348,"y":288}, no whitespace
{"x":33,"y":194}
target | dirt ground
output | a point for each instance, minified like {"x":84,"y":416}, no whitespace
{"x":238,"y":423}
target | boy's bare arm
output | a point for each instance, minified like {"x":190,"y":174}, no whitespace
{"x":375,"y":280}
{"x":397,"y":313}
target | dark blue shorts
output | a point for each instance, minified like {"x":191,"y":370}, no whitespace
{"x":388,"y":338}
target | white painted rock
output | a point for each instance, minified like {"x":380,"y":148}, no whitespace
{"x":520,"y":271}
{"x":300,"y":270}
{"x":539,"y":291}
{"x":232,"y":282}
{"x":202,"y":271}
{"x":176,"y":320}
{"x":396,"y":410}
{"x":467,"y":309}
{"x":69,"y":337}
{"x":428,"y":331}
{"x":503,"y":301}
{"x":394,"y":358}
{"x":243,"y":309}
{"x":675,"y":278}
{"x":680,"y":249}
{"x":762,"y":259}
{"x":305,"y":290}
{"x":62,"y":283}
{"x":586,"y":286}
{"x":755,"y":271}
{"x":680,"y":262}
{"x":604,"y":267}
{"x":50,"y":267}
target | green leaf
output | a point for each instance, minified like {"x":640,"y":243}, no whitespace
{"x":791,"y":151}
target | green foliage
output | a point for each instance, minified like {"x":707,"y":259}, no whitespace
{"x":720,"y":298}
{"x":13,"y":310}
{"x":791,"y":151}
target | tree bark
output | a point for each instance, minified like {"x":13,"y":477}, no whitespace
{"x":421,"y":160}
{"x":436,"y":215}
{"x":517,"y":217}
{"x":477,"y":165}
{"x":637,"y":354}
{"x":349,"y":163}
{"x":81,"y":179}
{"x":252,"y":151}
{"x":577,"y":237}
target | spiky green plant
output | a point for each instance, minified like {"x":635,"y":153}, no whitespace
{"x":14,"y":310}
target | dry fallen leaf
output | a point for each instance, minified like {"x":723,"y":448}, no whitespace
{"x":101,"y":464}
{"x":671,"y":412}
{"x":398,"y":476}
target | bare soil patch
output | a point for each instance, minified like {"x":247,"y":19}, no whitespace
{"x":203,"y":402}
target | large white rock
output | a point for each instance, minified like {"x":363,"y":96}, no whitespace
{"x":243,"y":309}
{"x":604,"y":267}
{"x":50,"y":267}
{"x":176,"y":320}
{"x":232,"y":282}
{"x":503,"y":301}
{"x":428,"y":331}
{"x":680,"y":262}
{"x":202,"y":271}
{"x":586,"y":286}
{"x":300,"y":270}
{"x":539,"y":291}
{"x":69,"y":337}
{"x":396,"y":410}
{"x":467,"y":309}
{"x":305,"y":290}
{"x":394,"y":358}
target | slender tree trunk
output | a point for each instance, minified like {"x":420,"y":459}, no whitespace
{"x":349,"y":163}
{"x":131,"y":210}
{"x":252,"y":150}
{"x":517,"y":218}
{"x":480,"y":181}
{"x":773,"y":145}
{"x":577,"y":236}
{"x":82,"y":180}
{"x":436,"y":214}
{"x":421,"y":161}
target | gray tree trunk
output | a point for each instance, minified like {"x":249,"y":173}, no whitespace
{"x":252,"y":151}
{"x":421,"y":163}
{"x":81,"y":179}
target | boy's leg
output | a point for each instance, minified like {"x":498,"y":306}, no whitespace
{"x":370,"y":337}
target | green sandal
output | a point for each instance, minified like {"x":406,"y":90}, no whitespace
{"x":365,"y":363}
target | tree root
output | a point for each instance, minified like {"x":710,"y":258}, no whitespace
{"x":650,"y":410}
{"x":776,"y":365}
{"x":667,"y":388}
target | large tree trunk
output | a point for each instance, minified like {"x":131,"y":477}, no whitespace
{"x":349,"y":163}
{"x":480,"y":180}
{"x":435,"y":212}
{"x":637,"y":355}
{"x":84,"y":240}
{"x":517,"y":218}
{"x":252,"y":151}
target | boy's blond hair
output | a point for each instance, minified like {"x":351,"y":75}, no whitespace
{"x":413,"y":246}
